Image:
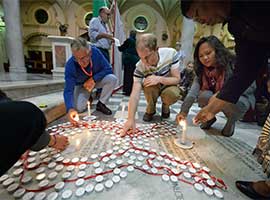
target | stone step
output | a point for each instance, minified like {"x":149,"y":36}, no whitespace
{"x":54,"y":102}
{"x":19,"y":90}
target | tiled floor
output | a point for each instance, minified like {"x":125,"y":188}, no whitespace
{"x":228,"y":158}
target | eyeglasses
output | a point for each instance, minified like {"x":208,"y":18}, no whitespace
{"x":82,"y":59}
{"x":147,"y":58}
{"x":108,"y":14}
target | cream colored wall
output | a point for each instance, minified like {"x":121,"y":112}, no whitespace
{"x":156,"y":24}
{"x":34,"y":34}
{"x":73,"y":12}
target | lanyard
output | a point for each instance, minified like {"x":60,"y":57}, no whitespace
{"x":90,"y":74}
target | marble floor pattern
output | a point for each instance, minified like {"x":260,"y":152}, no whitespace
{"x":228,"y":158}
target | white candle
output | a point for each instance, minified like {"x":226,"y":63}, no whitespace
{"x":184,"y":128}
{"x":123,"y":110}
{"x":88,"y":108}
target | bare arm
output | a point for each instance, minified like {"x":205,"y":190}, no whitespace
{"x":132,"y":107}
{"x":104,"y":35}
{"x":133,"y":100}
{"x":174,"y":79}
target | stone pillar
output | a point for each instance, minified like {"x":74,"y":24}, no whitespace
{"x":14,"y":35}
{"x":188,"y":30}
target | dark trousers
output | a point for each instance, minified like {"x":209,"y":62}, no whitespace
{"x":22,"y":124}
{"x":105,"y":53}
{"x":128,"y":79}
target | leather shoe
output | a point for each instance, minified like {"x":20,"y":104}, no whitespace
{"x":103,"y":108}
{"x":165,"y":115}
{"x":228,"y":129}
{"x":148,"y":117}
{"x":247,"y":188}
{"x":165,"y":112}
{"x":208,"y":124}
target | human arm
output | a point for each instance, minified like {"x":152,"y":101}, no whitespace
{"x":189,"y":100}
{"x":101,"y":66}
{"x":132,"y":106}
{"x":173,"y":79}
{"x":89,"y":84}
{"x":70,"y":82}
{"x":94,"y":30}
{"x":124,"y":46}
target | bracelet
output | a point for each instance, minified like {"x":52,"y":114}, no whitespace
{"x":54,"y":137}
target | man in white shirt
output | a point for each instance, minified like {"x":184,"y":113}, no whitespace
{"x":157,"y":73}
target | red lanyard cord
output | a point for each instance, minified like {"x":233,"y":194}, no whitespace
{"x":90,"y":74}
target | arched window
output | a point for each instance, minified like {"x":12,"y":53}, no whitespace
{"x":41,"y":16}
{"x":87,"y":18}
{"x":140,"y":23}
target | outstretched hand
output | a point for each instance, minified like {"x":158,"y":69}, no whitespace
{"x":130,"y":124}
{"x":73,"y":116}
{"x":180,"y":117}
{"x":59,"y":142}
{"x":208,"y":112}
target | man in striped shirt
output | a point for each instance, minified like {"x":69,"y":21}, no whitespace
{"x":157,"y":73}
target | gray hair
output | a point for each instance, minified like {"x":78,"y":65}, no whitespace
{"x":148,"y":41}
{"x":79,"y":43}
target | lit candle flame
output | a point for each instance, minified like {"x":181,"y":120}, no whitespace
{"x":183,"y":124}
{"x":76,"y":118}
{"x":78,"y":142}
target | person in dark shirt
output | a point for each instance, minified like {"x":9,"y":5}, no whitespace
{"x":130,"y":58}
{"x":247,"y":23}
{"x":22,"y":128}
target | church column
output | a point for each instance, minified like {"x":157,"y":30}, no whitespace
{"x":188,"y":29}
{"x":14,"y":35}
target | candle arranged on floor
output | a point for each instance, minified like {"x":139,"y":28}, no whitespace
{"x":182,"y":142}
{"x":183,"y":124}
{"x":88,"y":108}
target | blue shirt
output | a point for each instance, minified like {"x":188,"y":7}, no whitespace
{"x":75,"y":76}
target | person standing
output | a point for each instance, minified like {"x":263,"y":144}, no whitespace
{"x":99,"y":32}
{"x":130,"y":58}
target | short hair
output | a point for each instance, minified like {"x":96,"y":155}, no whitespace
{"x":148,"y":40}
{"x":132,"y":33}
{"x":102,"y":8}
{"x":79,"y":43}
{"x":185,"y":6}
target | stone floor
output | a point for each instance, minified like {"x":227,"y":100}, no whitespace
{"x":229,"y":159}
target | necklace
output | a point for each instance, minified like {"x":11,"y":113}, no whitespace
{"x":90,"y":74}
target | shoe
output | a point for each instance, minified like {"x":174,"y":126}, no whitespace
{"x":165,"y":112}
{"x":247,"y":188}
{"x":208,"y":124}
{"x":103,"y":108}
{"x":148,"y":117}
{"x":228,"y":129}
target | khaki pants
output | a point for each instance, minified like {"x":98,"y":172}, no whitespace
{"x":169,"y":95}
